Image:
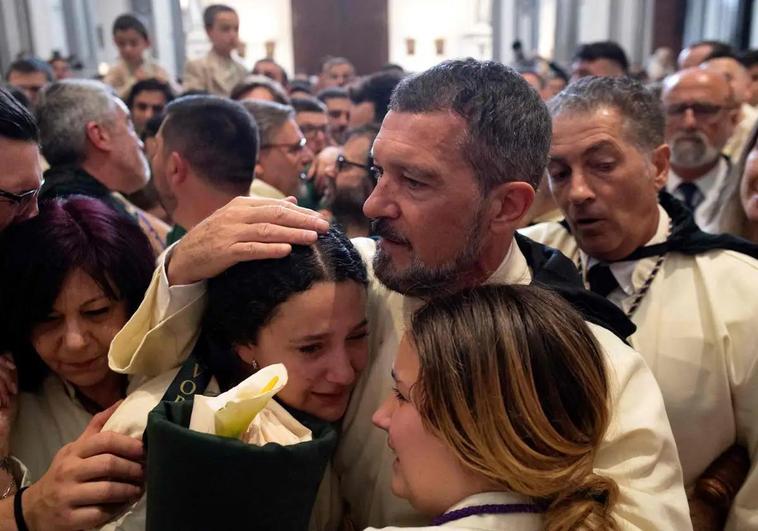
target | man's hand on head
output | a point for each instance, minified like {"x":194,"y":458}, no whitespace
{"x":247,"y":228}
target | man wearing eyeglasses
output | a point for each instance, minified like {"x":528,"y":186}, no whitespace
{"x":284,"y":153}
{"x":310,"y":115}
{"x":701,"y":115}
{"x":354,"y":182}
{"x":21,"y":178}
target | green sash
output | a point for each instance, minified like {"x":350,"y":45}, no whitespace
{"x":197,"y":481}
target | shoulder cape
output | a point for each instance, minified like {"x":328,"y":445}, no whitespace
{"x":686,"y":237}
{"x":553,"y":270}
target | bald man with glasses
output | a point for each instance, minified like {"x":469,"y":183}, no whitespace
{"x":701,"y":114}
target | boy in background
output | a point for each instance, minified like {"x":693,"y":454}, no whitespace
{"x":131,"y":39}
{"x":217,"y":73}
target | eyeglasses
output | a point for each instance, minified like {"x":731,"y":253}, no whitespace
{"x":291,"y":148}
{"x":373,"y":171}
{"x":703,"y":112}
{"x":24,"y":198}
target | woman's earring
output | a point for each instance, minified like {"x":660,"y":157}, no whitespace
{"x":255,"y":365}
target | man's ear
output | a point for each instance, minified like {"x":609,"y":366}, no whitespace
{"x":508,"y":204}
{"x":258,"y":170}
{"x":99,"y":136}
{"x":660,"y":159}
{"x":177,"y":170}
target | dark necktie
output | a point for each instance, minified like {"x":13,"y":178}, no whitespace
{"x":601,"y":279}
{"x":692,"y":195}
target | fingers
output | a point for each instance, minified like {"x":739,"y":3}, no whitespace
{"x":250,"y":202}
{"x":105,"y":493}
{"x":283,"y":213}
{"x":109,"y":442}
{"x":98,"y":421}
{"x":245,"y":251}
{"x":109,"y":466}
{"x":274,"y":233}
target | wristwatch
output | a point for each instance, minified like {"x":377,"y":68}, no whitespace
{"x":10,"y":468}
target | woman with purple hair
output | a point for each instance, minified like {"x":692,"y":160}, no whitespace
{"x":70,"y":278}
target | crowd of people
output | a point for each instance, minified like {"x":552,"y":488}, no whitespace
{"x":523,"y":297}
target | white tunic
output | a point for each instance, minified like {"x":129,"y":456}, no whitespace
{"x":638,"y":450}
{"x":697,"y":332}
{"x":485,"y":522}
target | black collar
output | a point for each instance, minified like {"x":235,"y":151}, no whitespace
{"x":553,"y":270}
{"x":686,"y":237}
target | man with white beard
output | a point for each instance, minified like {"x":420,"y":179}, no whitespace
{"x":701,"y":114}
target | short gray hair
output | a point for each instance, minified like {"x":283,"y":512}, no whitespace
{"x":269,"y":116}
{"x":63,"y":111}
{"x":508,"y":131}
{"x":641,"y":112}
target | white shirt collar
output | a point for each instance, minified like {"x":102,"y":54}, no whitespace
{"x":710,"y":185}
{"x":624,"y":272}
{"x":704,"y":183}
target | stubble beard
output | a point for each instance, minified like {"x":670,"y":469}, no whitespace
{"x":426,"y":282}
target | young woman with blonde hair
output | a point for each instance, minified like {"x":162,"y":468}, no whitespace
{"x":500,"y":401}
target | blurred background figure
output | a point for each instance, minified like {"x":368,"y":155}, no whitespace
{"x":336,"y":72}
{"x":258,"y":87}
{"x":337,"y":101}
{"x":133,"y":41}
{"x":62,"y":66}
{"x":661,"y":64}
{"x":355,"y":180}
{"x":271,"y":69}
{"x":605,"y":58}
{"x":148,"y":98}
{"x":371,"y":98}
{"x":30,"y":75}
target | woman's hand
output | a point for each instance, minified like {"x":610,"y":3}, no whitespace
{"x":247,"y":228}
{"x":90,"y":481}
{"x":8,"y":401}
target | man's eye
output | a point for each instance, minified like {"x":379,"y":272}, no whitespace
{"x":558,"y":175}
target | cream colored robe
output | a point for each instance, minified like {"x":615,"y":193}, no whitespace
{"x":53,"y":417}
{"x":697,"y":330}
{"x":638,"y":450}
{"x":261,"y":188}
{"x":485,"y":522}
{"x":214,"y":74}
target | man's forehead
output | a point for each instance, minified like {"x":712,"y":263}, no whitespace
{"x":17,"y":74}
{"x":338,"y":103}
{"x":151,"y":95}
{"x":697,"y":90}
{"x":288,"y":132}
{"x":438,"y":131}
{"x":311,"y":117}
{"x":358,"y":144}
{"x":22,"y":165}
{"x":580,"y":133}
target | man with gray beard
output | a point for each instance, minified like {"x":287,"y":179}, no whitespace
{"x":701,"y":114}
